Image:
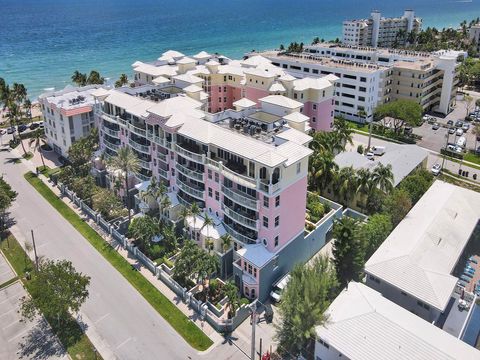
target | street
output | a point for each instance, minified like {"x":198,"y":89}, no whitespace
{"x":119,"y":321}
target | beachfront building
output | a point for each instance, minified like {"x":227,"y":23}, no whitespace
{"x":378,"y":31}
{"x":474,"y":35}
{"x":221,"y":82}
{"x":367,"y":77}
{"x":246,"y":168}
{"x":415,"y":265}
{"x":364,"y":325}
{"x":68,"y":116}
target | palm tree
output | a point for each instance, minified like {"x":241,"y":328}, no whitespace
{"x":27,"y":105}
{"x":95,"y":78}
{"x":169,"y":238}
{"x":121,"y":81}
{"x":165,"y":204}
{"x":343,"y":131}
{"x":185,"y":213}
{"x":226,"y":245}
{"x":346,"y":184}
{"x":382,"y":177}
{"x":79,"y":78}
{"x":195,"y":211}
{"x":364,"y":182}
{"x":231,"y":292}
{"x":322,"y":169}
{"x":207,"y":222}
{"x":127,"y":162}
{"x":37,"y":140}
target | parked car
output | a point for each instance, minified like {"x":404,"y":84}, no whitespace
{"x":33,"y":126}
{"x":435,"y":126}
{"x":407,"y":130}
{"x":459,"y":149}
{"x":459,"y":132}
{"x":425,"y":118}
{"x":477,"y":151}
{"x":370,"y":155}
{"x":459,"y":124}
{"x":40,"y":125}
{"x":276,"y":293}
{"x":451,"y":131}
{"x":451,"y":147}
{"x":378,"y":150}
{"x":436,"y":169}
{"x":22,"y":128}
{"x":462,"y":141}
{"x":450,"y":122}
{"x":465,"y":127}
{"x":10,"y":130}
{"x":3,"y":132}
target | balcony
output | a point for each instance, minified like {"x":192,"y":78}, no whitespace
{"x":163,"y":173}
{"x":111,"y":145}
{"x":189,"y":173}
{"x":142,"y":177}
{"x":144,"y":164}
{"x":240,"y":198}
{"x":269,"y":188}
{"x":114,"y":119}
{"x":241,"y":219}
{"x":162,"y":157}
{"x":237,"y":236}
{"x":139,"y":147}
{"x":137,"y":130}
{"x":231,"y":174}
{"x":111,"y":132}
{"x":190,"y":190}
{"x":189,"y":154}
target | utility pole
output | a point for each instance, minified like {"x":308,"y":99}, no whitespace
{"x":35,"y":251}
{"x":254,"y":322}
{"x":369,"y":135}
{"x":447,"y":137}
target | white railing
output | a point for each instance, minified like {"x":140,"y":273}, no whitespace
{"x":137,"y":130}
{"x":115,"y":119}
{"x":110,"y":132}
{"x":235,"y":234}
{"x":269,"y":188}
{"x":190,"y":173}
{"x":199,"y":194}
{"x":238,"y":178}
{"x":162,"y":156}
{"x":142,"y":177}
{"x":163,"y":173}
{"x":110,"y":145}
{"x":142,"y":148}
{"x":243,"y":220}
{"x":239,"y":198}
{"x":144,"y":164}
{"x":213,"y":163}
{"x":188,"y":154}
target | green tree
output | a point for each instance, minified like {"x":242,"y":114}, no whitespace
{"x":37,"y":140}
{"x":170,"y":240}
{"x":123,"y":80}
{"x":233,"y":302}
{"x":402,"y":111}
{"x":345,"y":185}
{"x":185,"y":262}
{"x":128,"y":163}
{"x":364,"y":184}
{"x":375,"y":231}
{"x":95,"y":78}
{"x":7,"y":197}
{"x":417,"y":184}
{"x":107,"y":204}
{"x":79,"y":78}
{"x":143,"y":229}
{"x":348,"y":250}
{"x":397,"y":205}
{"x":382,"y":177}
{"x":56,"y":290}
{"x":343,"y":131}
{"x":469,"y":102}
{"x":81,"y":152}
{"x":304,"y":302}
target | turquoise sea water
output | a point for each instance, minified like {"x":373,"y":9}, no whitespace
{"x":42,"y":42}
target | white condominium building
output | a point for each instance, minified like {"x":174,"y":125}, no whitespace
{"x":380,"y":31}
{"x":68,"y":116}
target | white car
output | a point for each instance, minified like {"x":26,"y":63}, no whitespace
{"x":436,"y":169}
{"x":370,"y":155}
{"x":459,"y":132}
{"x":278,"y":287}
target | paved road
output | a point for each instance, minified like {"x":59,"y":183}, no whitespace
{"x":24,"y":340}
{"x":6,"y":272}
{"x":120,"y":322}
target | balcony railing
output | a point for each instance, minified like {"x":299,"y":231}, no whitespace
{"x":144,"y":164}
{"x":243,"y":220}
{"x":115,"y":119}
{"x":111,"y":145}
{"x":189,"y":154}
{"x":237,"y":236}
{"x":269,"y":188}
{"x":196,"y":193}
{"x":139,"y":147}
{"x":110,"y":132}
{"x":137,"y":130}
{"x":230,"y":174}
{"x":162,"y":156}
{"x":189,"y":173}
{"x":142,"y":177}
{"x":240,"y":198}
{"x":163,"y":173}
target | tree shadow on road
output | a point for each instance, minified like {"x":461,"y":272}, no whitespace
{"x":40,"y":343}
{"x":13,"y":160}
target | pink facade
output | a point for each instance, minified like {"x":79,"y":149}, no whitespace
{"x":255,"y":94}
{"x":211,"y":203}
{"x":321,"y":112}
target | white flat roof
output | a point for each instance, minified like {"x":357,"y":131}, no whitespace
{"x":296,"y":117}
{"x":312,"y":83}
{"x":155,"y":71}
{"x":277,"y":87}
{"x":177,"y":104}
{"x":245,"y":103}
{"x":281,"y":100}
{"x":422,"y":251}
{"x":363,"y":325}
{"x":256,"y":254}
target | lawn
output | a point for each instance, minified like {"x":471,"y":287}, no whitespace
{"x":472,"y":158}
{"x":186,"y":328}
{"x":71,"y":335}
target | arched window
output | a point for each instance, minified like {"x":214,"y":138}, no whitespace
{"x":276,"y":175}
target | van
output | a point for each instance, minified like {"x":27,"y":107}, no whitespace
{"x":278,"y":287}
{"x":378,"y":150}
{"x":461,"y":141}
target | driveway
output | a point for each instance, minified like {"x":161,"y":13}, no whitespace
{"x":24,"y":340}
{"x":118,"y":320}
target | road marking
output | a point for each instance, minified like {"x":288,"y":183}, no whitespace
{"x":17,"y":321}
{"x":101,"y":318}
{"x":7,"y":312}
{"x":123,"y":343}
{"x":21,"y":333}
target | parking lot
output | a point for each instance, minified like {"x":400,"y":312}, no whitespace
{"x":24,"y":340}
{"x":6,"y":272}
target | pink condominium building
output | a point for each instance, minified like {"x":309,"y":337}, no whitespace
{"x":231,"y":136}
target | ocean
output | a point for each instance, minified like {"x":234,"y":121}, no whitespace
{"x":42,"y":42}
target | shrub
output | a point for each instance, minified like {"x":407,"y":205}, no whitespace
{"x":244,"y":301}
{"x":360,"y":149}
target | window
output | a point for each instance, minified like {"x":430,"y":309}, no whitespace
{"x":217,"y":178}
{"x":210,"y":192}
{"x":299,"y":168}
{"x":217,"y":196}
{"x":266,"y":201}
{"x":244,"y":266}
{"x":225,"y":99}
{"x":323,"y":343}
{"x":314,"y":119}
{"x":362,"y":79}
{"x":210,"y":174}
{"x":276,"y":241}
{"x":315,"y":106}
{"x":277,"y":220}
{"x":224,"y":89}
{"x":219,"y":99}
{"x":277,"y":201}
{"x":265,"y":222}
